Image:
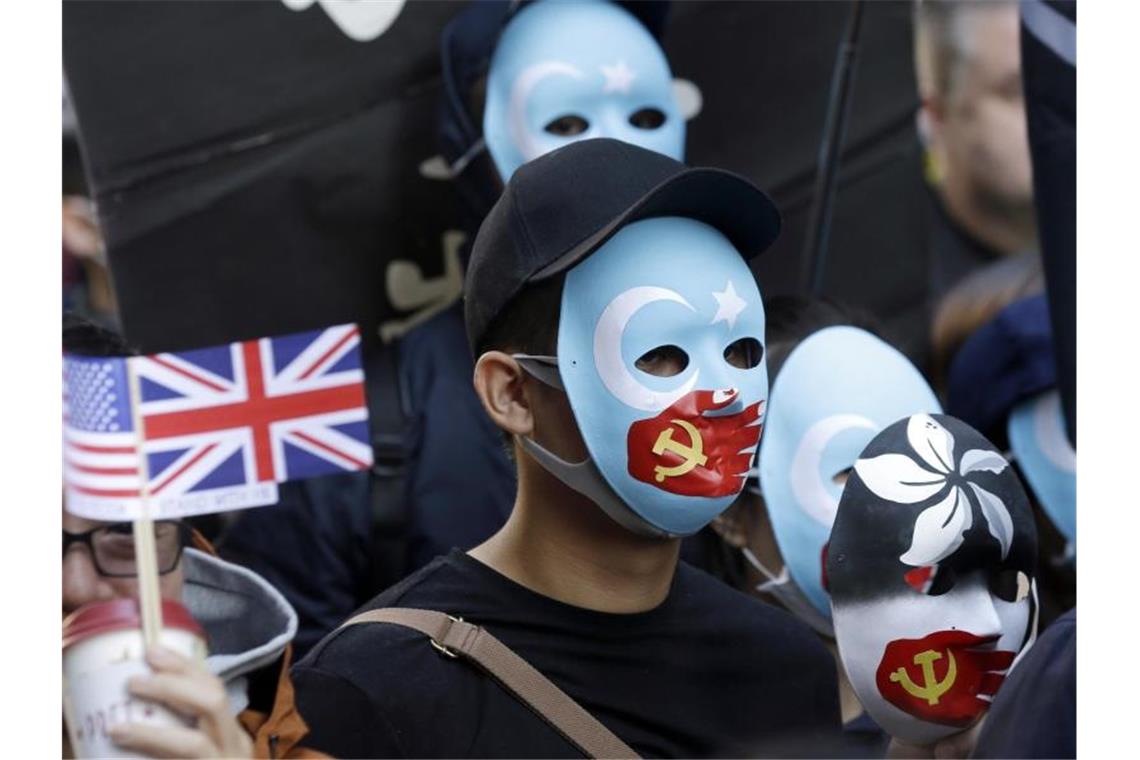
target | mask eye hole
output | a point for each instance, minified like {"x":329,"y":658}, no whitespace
{"x":1009,"y":585}
{"x":931,"y":580}
{"x":663,"y":361}
{"x":745,"y":353}
{"x":647,"y":118}
{"x":568,"y":125}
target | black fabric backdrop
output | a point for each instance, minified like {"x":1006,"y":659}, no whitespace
{"x":1051,"y":111}
{"x":255,"y":169}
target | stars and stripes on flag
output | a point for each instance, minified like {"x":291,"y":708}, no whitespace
{"x":218,"y":427}
{"x":100,"y":448}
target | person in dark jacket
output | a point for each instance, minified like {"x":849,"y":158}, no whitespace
{"x":1035,"y":713}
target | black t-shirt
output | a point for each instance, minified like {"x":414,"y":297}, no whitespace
{"x":710,"y":671}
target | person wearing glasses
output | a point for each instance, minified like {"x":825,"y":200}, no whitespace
{"x":241,"y":700}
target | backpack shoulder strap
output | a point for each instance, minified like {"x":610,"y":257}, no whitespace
{"x":454,"y":638}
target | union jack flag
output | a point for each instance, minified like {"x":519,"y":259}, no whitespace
{"x":220,"y":426}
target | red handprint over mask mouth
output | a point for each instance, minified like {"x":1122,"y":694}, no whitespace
{"x":686,"y":452}
{"x":947,"y":677}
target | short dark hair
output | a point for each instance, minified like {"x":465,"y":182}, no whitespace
{"x":791,"y":319}
{"x":528,"y":324}
{"x":84,"y":337}
{"x":942,"y":41}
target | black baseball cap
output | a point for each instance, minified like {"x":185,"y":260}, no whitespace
{"x":559,"y":208}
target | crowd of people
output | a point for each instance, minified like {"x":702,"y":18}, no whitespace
{"x":649,"y":510}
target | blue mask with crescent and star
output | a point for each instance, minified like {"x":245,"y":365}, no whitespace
{"x":674,"y":450}
{"x":836,"y":391}
{"x":567,"y":70}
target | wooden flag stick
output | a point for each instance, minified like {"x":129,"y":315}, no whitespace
{"x":146,"y":554}
{"x":146,"y":565}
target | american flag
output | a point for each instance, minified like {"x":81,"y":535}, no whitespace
{"x":222,"y":425}
{"x":100,"y":450}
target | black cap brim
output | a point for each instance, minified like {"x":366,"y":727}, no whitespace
{"x":725,"y":201}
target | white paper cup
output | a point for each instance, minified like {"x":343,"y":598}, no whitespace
{"x":103,"y":647}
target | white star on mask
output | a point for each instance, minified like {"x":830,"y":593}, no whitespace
{"x":729,"y":305}
{"x":619,"y":77}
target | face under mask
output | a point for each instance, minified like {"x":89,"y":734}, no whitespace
{"x":667,"y":453}
{"x":837,"y":389}
{"x":930,"y":568}
{"x":576,"y":69}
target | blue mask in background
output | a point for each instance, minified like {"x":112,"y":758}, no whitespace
{"x":1044,"y":454}
{"x":675,"y":450}
{"x":587,"y":59}
{"x":836,"y":391}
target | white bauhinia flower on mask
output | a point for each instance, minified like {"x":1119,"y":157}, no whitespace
{"x":939,"y":529}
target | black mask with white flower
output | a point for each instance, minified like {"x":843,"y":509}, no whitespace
{"x":927,"y":492}
{"x":930,"y":572}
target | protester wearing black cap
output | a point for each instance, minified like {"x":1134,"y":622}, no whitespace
{"x":619,"y":336}
{"x":604,"y":74}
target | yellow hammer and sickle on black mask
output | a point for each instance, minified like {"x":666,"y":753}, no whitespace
{"x":693,"y":454}
{"x":931,"y":688}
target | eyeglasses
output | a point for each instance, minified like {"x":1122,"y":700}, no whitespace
{"x":112,"y":546}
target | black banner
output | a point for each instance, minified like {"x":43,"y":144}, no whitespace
{"x":258,"y":170}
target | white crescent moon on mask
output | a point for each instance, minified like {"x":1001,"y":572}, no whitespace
{"x":617,"y":378}
{"x":526,"y":81}
{"x":806,"y":479}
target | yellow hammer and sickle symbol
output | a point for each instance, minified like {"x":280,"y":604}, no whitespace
{"x":931,"y":688}
{"x":693,"y":454}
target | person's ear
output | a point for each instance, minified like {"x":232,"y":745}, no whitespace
{"x":930,"y":118}
{"x":499,"y":384}
{"x":930,"y":124}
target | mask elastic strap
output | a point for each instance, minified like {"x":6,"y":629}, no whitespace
{"x":541,"y":368}
{"x":584,"y":478}
{"x":773,"y":580}
{"x":784,"y":589}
